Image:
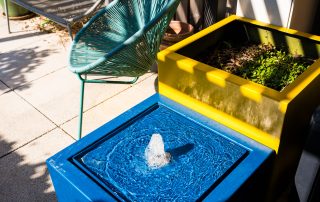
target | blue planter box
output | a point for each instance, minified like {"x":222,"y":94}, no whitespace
{"x":208,"y":161}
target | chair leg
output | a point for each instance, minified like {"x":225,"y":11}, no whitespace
{"x":81,"y":109}
{"x":7,"y":14}
{"x":85,"y":80}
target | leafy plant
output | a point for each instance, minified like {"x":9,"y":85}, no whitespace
{"x":263,"y":64}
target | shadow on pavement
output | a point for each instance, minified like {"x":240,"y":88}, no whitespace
{"x":21,"y":181}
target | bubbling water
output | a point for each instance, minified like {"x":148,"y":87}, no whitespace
{"x":154,"y":154}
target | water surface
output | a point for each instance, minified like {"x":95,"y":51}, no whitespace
{"x":200,"y":158}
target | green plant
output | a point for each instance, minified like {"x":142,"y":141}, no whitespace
{"x":262,"y":64}
{"x":45,"y":23}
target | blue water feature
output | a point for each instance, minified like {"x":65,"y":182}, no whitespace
{"x":200,"y":158}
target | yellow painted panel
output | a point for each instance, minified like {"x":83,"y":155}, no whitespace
{"x":219,"y":116}
{"x":230,"y":94}
{"x":282,"y":29}
{"x":265,"y":36}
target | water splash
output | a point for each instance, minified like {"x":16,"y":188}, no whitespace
{"x":155,"y":155}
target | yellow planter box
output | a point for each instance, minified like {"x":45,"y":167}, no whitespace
{"x":279,"y":120}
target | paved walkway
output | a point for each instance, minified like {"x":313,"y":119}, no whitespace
{"x":39,"y":103}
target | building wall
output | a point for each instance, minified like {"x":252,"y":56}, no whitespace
{"x":274,"y":12}
{"x":295,"y":14}
{"x":303,"y":15}
{"x":191,"y":11}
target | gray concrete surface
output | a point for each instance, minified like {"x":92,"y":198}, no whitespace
{"x":39,"y":103}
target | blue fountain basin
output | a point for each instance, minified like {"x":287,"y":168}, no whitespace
{"x":208,"y":161}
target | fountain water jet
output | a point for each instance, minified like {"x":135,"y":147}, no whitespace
{"x":154,"y":154}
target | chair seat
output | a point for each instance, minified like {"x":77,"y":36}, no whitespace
{"x":92,"y":50}
{"x":88,"y":50}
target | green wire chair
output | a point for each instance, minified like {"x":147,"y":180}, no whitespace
{"x":121,"y":40}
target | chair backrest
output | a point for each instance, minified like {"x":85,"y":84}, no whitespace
{"x":132,"y":31}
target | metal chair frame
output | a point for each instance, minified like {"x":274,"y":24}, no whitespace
{"x":121,"y":40}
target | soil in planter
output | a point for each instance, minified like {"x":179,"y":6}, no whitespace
{"x":261,"y":63}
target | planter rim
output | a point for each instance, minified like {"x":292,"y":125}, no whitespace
{"x":287,"y":99}
{"x":250,"y":89}
{"x":232,"y":18}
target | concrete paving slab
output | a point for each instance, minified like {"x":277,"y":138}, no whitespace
{"x":20,"y":66}
{"x":57,"y":95}
{"x":112,"y":107}
{"x":19,"y":40}
{"x":21,"y":34}
{"x":20,"y":122}
{"x":3,"y":88}
{"x":24,"y":176}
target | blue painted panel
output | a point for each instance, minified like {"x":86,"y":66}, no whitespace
{"x":246,"y":161}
